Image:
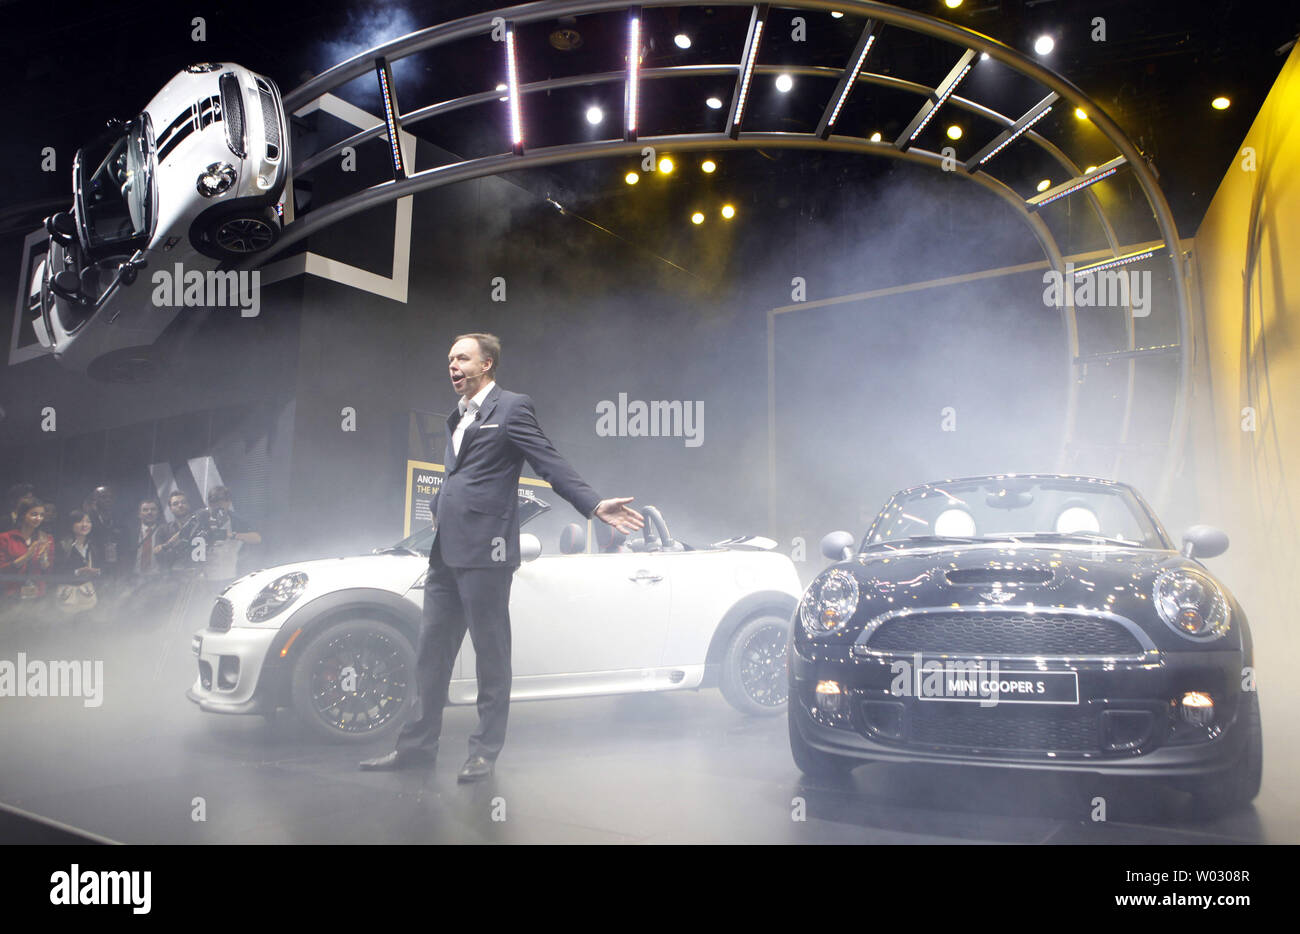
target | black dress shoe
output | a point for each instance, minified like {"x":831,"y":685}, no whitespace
{"x":396,"y":760}
{"x":476,"y":768}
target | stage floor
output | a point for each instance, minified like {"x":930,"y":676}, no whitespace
{"x":655,"y":768}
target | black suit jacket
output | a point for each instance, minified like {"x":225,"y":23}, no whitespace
{"x":477,"y":507}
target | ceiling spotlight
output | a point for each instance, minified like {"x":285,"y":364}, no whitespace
{"x":697,"y":218}
{"x":714,"y":103}
{"x":1045,"y":184}
{"x":984,"y":56}
{"x":683,"y":41}
{"x":954,"y":132}
{"x":952,"y":4}
{"x":502,"y":87}
{"x":784,"y":83}
{"x":595,"y":115}
{"x":1089,"y":169}
{"x":837,"y":15}
{"x":1220,"y":103}
{"x":632,"y":178}
{"x":1043,"y":45}
{"x":875,"y":137}
{"x":666,"y":165}
{"x":1080,"y":113}
{"x":708,"y":165}
{"x":728,"y":211}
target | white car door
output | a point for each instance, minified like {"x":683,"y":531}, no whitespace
{"x":581,"y":624}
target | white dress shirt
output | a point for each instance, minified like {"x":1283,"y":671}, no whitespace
{"x":468,"y":413}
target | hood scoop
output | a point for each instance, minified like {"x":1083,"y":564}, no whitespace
{"x":985,"y":577}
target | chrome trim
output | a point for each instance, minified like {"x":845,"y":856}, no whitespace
{"x":1150,"y":654}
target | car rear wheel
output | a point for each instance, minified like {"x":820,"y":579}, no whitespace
{"x":355,"y":681}
{"x":813,"y":762}
{"x":754,"y":677}
{"x":1236,"y":788}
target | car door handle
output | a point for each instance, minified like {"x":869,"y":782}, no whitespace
{"x":645,"y":577}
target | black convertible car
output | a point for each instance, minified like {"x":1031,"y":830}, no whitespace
{"x":1031,"y":621}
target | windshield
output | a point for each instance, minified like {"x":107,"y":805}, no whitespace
{"x":420,"y":541}
{"x":1019,"y":507}
{"x":115,"y":185}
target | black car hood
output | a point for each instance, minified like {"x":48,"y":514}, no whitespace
{"x":1106,"y":578}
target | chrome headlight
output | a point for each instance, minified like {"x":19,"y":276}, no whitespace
{"x":277,"y":595}
{"x":829,"y":603}
{"x":1191,"y":604}
{"x":216,"y":179}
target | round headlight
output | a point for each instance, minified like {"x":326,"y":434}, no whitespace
{"x":829,"y":603}
{"x":277,"y":595}
{"x":1191,"y":605}
{"x":216,"y":179}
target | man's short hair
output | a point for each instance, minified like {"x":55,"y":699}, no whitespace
{"x":218,"y":494}
{"x":489,"y":348}
{"x":176,"y":493}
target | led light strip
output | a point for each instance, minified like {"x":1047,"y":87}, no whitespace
{"x":512,"y":77}
{"x":633,"y":72}
{"x":1111,"y":264}
{"x":391,"y":119}
{"x":1090,"y":180}
{"x":939,"y":103}
{"x":749,"y":72}
{"x":848,"y":85}
{"x":1012,"y":138}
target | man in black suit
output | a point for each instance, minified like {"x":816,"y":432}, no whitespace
{"x":475,"y":552}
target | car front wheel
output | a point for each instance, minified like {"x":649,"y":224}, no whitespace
{"x":354,"y":681}
{"x":754,"y":677}
{"x":813,"y":762}
{"x":1237,"y":787}
{"x":240,"y":234}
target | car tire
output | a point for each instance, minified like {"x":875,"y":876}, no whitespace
{"x":813,"y":762}
{"x":754,"y":677}
{"x":1238,"y":786}
{"x":383,"y":681}
{"x":240,"y":234}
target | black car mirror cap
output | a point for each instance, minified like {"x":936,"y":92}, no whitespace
{"x":1204,"y":541}
{"x":838,"y":545}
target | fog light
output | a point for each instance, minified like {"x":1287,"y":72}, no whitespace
{"x":227,"y":673}
{"x":830,"y":696}
{"x":1198,"y":707}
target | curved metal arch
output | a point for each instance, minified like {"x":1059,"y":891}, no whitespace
{"x":478,"y":24}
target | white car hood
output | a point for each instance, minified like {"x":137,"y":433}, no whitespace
{"x":395,"y":573}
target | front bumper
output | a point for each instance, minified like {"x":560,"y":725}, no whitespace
{"x":1126,"y":721}
{"x":237,"y":673}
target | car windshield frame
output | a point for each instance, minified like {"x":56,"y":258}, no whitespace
{"x":135,"y":190}
{"x":419,"y":541}
{"x":1153,"y":533}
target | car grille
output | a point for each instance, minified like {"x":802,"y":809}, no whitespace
{"x":232,"y":109}
{"x":1036,"y":634}
{"x":1005,"y":727}
{"x":270,"y":120}
{"x":222,"y":615}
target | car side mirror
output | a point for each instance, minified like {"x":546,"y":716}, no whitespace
{"x":530,"y":546}
{"x":1204,"y":541}
{"x":838,"y":545}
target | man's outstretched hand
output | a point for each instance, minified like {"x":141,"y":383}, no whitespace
{"x":619,"y":514}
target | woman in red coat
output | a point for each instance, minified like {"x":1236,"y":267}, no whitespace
{"x":26,"y":550}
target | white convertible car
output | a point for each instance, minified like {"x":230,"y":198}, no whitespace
{"x":334,"y":639}
{"x":193,"y":182}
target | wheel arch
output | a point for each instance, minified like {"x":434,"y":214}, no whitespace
{"x":314,"y":617}
{"x":774,"y":601}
